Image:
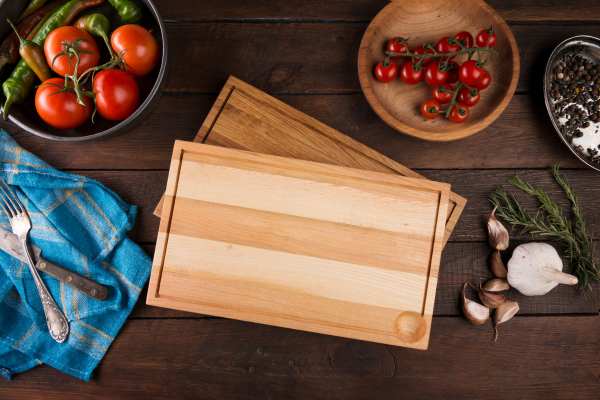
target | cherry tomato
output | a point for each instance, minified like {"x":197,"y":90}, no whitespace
{"x":484,"y":81}
{"x":397,"y":45}
{"x":411,"y":74}
{"x":468,"y":96}
{"x":443,"y":93}
{"x":430,"y":109}
{"x":447,"y":45}
{"x":469,"y":73}
{"x":137,"y":46}
{"x":116,"y":93}
{"x":422,"y":50}
{"x":386,"y":71}
{"x":59,"y":108}
{"x":435,"y":74}
{"x":459,"y":114}
{"x":465,"y":38}
{"x":57,"y":43}
{"x":486,"y":38}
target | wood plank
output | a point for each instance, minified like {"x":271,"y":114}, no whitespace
{"x":199,"y":266}
{"x":221,"y":359}
{"x":521,"y":138}
{"x":518,"y":11}
{"x":332,"y":65}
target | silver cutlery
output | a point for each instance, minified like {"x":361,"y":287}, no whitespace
{"x":58,"y":326}
{"x":10,"y":244}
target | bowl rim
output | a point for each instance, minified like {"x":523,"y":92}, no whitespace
{"x":364,"y":74}
{"x":142,"y":108}
{"x":571,"y":41}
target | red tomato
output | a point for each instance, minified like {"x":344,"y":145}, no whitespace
{"x":397,"y":45}
{"x":435,"y":74}
{"x":58,"y":42}
{"x":386,"y":71}
{"x":430,"y":109}
{"x":116,"y":93}
{"x":443,"y":93}
{"x":459,"y":114}
{"x":465,"y":38}
{"x":468,"y":96}
{"x":486,"y":38}
{"x":469,"y":73}
{"x":137,"y":46}
{"x":422,"y":50}
{"x":484,"y":81}
{"x":59,"y":108}
{"x":411,"y":74}
{"x":447,"y":45}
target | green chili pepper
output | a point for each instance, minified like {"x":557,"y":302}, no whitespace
{"x":128,"y":10}
{"x":33,"y":6}
{"x":98,"y":25}
{"x":17,"y":86}
{"x":33,"y":55}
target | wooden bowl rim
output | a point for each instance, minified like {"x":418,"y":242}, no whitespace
{"x":461,"y":132}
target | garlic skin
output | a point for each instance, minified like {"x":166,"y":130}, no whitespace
{"x":504,"y":313}
{"x":497,"y":233}
{"x":496,"y":285}
{"x":476,"y":313}
{"x":497,"y":265}
{"x":536,"y":268}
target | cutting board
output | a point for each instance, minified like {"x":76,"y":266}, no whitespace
{"x":299,"y":244}
{"x":244,"y":117}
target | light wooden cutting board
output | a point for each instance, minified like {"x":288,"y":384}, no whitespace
{"x":244,"y":117}
{"x":299,"y":244}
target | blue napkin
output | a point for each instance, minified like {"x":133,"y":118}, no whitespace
{"x":81,"y":225}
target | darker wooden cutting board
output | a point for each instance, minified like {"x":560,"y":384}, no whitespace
{"x":246,"y":118}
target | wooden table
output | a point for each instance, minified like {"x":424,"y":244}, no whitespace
{"x":304,"y":52}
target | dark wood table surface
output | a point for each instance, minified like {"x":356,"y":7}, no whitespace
{"x":304,"y":52}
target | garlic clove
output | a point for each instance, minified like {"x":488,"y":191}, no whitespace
{"x":497,"y":233}
{"x":476,"y":313}
{"x":496,"y":285}
{"x":504,"y":313}
{"x":497,"y":265}
{"x":490,"y":299}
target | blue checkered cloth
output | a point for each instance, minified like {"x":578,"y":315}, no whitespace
{"x":81,"y":225}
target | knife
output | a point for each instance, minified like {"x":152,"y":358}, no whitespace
{"x":11,"y":245}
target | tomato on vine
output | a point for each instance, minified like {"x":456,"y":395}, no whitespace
{"x":436,"y":73}
{"x":470,"y":72}
{"x":443,"y":93}
{"x":386,"y":71}
{"x":59,"y":107}
{"x":397,"y":45}
{"x":447,"y":45}
{"x":425,"y":50}
{"x":484,"y":81}
{"x":67,"y":46}
{"x":465,"y":38}
{"x":411,"y":73}
{"x":468,"y":96}
{"x":138,"y":48}
{"x":458,"y":114}
{"x":430,"y":109}
{"x":486,"y":38}
{"x":117,"y":94}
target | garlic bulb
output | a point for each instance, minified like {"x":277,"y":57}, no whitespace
{"x":476,"y":313}
{"x":497,"y":233}
{"x":536,"y":268}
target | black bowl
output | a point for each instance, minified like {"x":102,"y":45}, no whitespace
{"x":25,"y":117}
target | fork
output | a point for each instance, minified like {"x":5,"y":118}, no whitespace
{"x":58,"y":326}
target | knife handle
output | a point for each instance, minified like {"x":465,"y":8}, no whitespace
{"x":87,"y":286}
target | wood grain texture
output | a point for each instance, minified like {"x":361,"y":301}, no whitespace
{"x":286,"y":263}
{"x":534,"y":358}
{"x":514,"y":11}
{"x":246,"y":118}
{"x":425,"y":22}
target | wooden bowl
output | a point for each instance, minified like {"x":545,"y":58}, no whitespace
{"x":423,"y":21}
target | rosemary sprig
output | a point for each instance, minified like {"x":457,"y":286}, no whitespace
{"x":550,"y":223}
